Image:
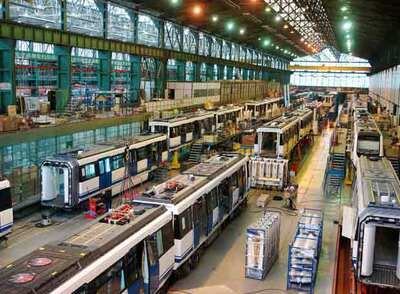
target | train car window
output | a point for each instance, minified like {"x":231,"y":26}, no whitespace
{"x":117,"y":162}
{"x":159,"y":242}
{"x":5,"y":199}
{"x":133,"y":264}
{"x":109,"y":282}
{"x":88,"y":171}
{"x":183,"y":223}
{"x":163,"y":146}
{"x":142,"y":153}
{"x":152,"y":252}
{"x":174,"y":132}
{"x":161,"y":129}
{"x":168,"y":236}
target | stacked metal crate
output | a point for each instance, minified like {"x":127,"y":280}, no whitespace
{"x":262,"y":245}
{"x":304,"y":251}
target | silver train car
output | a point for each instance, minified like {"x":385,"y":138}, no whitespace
{"x":372,"y":223}
{"x":129,"y":250}
{"x":278,"y":137}
{"x":183,"y":130}
{"x":266,"y":109}
{"x":6,"y":211}
{"x":201,"y":199}
{"x":70,"y":179}
{"x":367,"y":137}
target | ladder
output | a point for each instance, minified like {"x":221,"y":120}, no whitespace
{"x":195,"y":152}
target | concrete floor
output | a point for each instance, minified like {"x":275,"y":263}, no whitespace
{"x":222,"y":265}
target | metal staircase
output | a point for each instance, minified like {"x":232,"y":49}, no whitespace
{"x":195,"y":152}
{"x":396,"y":164}
{"x":334,"y":175}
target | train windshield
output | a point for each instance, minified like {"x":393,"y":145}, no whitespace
{"x":368,"y":143}
{"x":5,"y":198}
{"x":55,"y":183}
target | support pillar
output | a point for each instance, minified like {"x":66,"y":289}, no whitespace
{"x":63,"y":76}
{"x":229,"y":72}
{"x":134,"y":95}
{"x":209,"y":72}
{"x":180,"y":70}
{"x":7,"y":74}
{"x":105,"y":70}
{"x":161,"y":78}
{"x":245,"y":74}
{"x":197,"y":66}
{"x":220,"y":72}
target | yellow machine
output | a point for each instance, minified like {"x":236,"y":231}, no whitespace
{"x":175,"y":161}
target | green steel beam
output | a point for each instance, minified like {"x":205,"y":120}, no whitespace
{"x":135,"y":78}
{"x":7,"y":74}
{"x":220,"y":72}
{"x":105,"y":70}
{"x":229,"y":73}
{"x":180,"y":70}
{"x":161,"y":77}
{"x":245,"y":74}
{"x":64,"y":68}
{"x":18,"y":31}
{"x":209,"y":72}
{"x":67,"y":129}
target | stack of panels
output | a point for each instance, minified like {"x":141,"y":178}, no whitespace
{"x":268,"y":172}
{"x":304,"y":251}
{"x":262,"y":245}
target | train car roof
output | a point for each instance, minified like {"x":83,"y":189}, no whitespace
{"x":378,"y":180}
{"x":48,"y":267}
{"x":264,"y":101}
{"x":228,"y":109}
{"x":4,"y":183}
{"x":180,"y":187}
{"x":182,"y":119}
{"x":285,"y":121}
{"x":213,"y":165}
{"x":96,"y":149}
{"x":367,"y":124}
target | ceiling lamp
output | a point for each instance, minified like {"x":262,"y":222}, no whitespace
{"x":197,"y":10}
{"x":230,"y":25}
{"x":285,"y":26}
{"x":347,"y":25}
{"x":214,"y":18}
{"x":277,"y":18}
{"x":242,"y":31}
{"x":267,"y":9}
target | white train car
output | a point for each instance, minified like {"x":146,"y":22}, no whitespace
{"x":367,"y":137}
{"x":182,"y":130}
{"x":266,"y":109}
{"x":6,"y":211}
{"x":129,"y":250}
{"x":225,"y":114}
{"x":69,"y":179}
{"x":278,"y":137}
{"x":373,"y":223}
{"x":201,"y":200}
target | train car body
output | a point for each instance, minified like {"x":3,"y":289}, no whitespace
{"x":373,"y":224}
{"x":69,"y":179}
{"x":129,"y":250}
{"x":367,"y":138}
{"x":201,"y":200}
{"x":278,"y":137}
{"x":182,"y":130}
{"x":225,"y":114}
{"x":266,"y":109}
{"x":6,"y":211}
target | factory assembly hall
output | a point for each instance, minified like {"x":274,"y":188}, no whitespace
{"x":199,"y":146}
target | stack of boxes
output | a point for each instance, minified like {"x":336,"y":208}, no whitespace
{"x":262,"y":245}
{"x":304,"y":251}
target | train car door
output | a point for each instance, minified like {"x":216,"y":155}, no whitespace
{"x":197,"y":209}
{"x":151,"y":266}
{"x":105,"y":173}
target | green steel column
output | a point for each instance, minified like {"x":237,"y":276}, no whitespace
{"x":180,"y":70}
{"x":5,"y":12}
{"x":7,"y":73}
{"x":105,"y":70}
{"x":245,"y":74}
{"x":220,"y":72}
{"x":197,"y":66}
{"x":64,"y":68}
{"x":135,"y":19}
{"x":209,"y":72}
{"x":63,"y":4}
{"x":134,"y":96}
{"x":161,"y":78}
{"x":229,"y":72}
{"x":251,"y":74}
{"x":265,"y":75}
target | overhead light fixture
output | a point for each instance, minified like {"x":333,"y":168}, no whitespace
{"x":267,"y":9}
{"x":197,"y":10}
{"x":347,"y":25}
{"x":285,"y":26}
{"x":276,"y":47}
{"x":292,"y":32}
{"x":266,"y":42}
{"x":174,"y":2}
{"x":214,"y":18}
{"x":344,"y":8}
{"x":345,"y":17}
{"x":259,"y":39}
{"x":278,"y":18}
{"x":242,"y":31}
{"x":302,"y":40}
{"x":230,"y":25}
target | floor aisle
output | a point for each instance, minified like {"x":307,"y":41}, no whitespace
{"x":222,"y":264}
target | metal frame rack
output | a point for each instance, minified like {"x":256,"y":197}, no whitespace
{"x":304,"y":251}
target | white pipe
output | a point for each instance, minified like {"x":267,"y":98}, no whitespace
{"x":368,"y":250}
